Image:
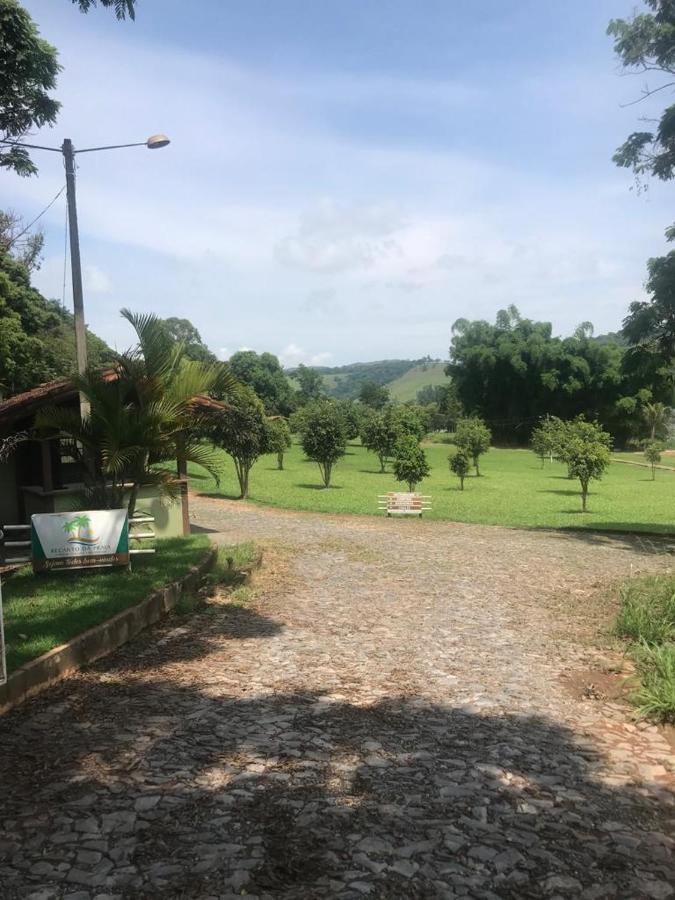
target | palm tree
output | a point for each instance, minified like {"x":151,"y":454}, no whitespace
{"x":143,"y":415}
{"x":82,"y":521}
{"x":69,"y":526}
{"x":657,"y":418}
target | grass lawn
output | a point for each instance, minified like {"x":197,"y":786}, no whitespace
{"x":513,"y":490}
{"x":43,"y":611}
{"x":667,"y":459}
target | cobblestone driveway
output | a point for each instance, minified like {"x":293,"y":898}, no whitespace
{"x":386,"y":719}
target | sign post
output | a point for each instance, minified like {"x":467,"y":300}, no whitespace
{"x":80,"y":540}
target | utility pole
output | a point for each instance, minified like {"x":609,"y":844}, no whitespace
{"x":76,"y":265}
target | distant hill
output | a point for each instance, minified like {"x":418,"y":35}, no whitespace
{"x":407,"y":385}
{"x":404,"y":377}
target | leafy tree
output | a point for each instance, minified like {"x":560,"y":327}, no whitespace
{"x":653,"y":455}
{"x":20,"y":242}
{"x":460,"y":464}
{"x":123,"y":8}
{"x":587,"y":455}
{"x":473,"y":436}
{"x":657,"y":417}
{"x":324,"y":439}
{"x":650,"y":324}
{"x":183,"y":331}
{"x":141,"y":420}
{"x":546,"y":439}
{"x":242,"y":431}
{"x":37,"y":341}
{"x":310,"y":382}
{"x":264,"y":374}
{"x":278,"y":439}
{"x":352,"y":416}
{"x":410,"y":461}
{"x":646,"y":44}
{"x":373,"y":395}
{"x":381,"y":430}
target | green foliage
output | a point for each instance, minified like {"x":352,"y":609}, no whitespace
{"x":380,"y":431}
{"x":123,"y":8}
{"x":344,"y":382}
{"x":656,"y":695}
{"x":37,"y":337}
{"x":324,"y":438}
{"x":460,"y":464}
{"x":184,"y":332}
{"x":278,"y":439}
{"x":44,"y":611}
{"x":650,"y":324}
{"x":373,"y":395}
{"x":653,"y":455}
{"x":310,"y":384}
{"x":139,"y":420}
{"x":410,"y":462}
{"x":473,"y":436}
{"x":28,"y":70}
{"x":646,"y":43}
{"x":515,"y":372}
{"x":546,"y":439}
{"x":647,"y":612}
{"x":264,"y":374}
{"x":586,"y":451}
{"x":657,"y":417}
{"x":242,"y":431}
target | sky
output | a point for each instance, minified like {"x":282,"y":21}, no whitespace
{"x":345,"y":178}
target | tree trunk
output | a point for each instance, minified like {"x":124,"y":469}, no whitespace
{"x":653,"y":472}
{"x":133,"y":498}
{"x":475,"y":462}
{"x":326,"y":474}
{"x":461,"y":482}
{"x":280,"y":461}
{"x":383,"y":462}
{"x":584,"y":494}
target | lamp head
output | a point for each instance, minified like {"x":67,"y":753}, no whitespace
{"x":155,"y":141}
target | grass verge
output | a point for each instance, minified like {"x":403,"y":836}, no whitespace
{"x":647,"y":620}
{"x":44,"y":611}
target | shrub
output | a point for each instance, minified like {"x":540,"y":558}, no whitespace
{"x":647,"y":613}
{"x":653,"y":455}
{"x":410,"y":461}
{"x":473,"y":436}
{"x":278,"y":439}
{"x":656,"y":696}
{"x":324,"y":438}
{"x":460,"y":464}
{"x":585,"y":447}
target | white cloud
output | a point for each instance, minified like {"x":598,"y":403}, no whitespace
{"x":292,"y":355}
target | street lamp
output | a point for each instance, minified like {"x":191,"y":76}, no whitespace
{"x":154,"y":142}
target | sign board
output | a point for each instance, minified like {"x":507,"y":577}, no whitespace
{"x":79,"y":540}
{"x":404,"y":504}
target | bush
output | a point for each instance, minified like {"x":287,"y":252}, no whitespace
{"x":324,"y":438}
{"x":473,"y":436}
{"x":410,"y":462}
{"x":460,"y":464}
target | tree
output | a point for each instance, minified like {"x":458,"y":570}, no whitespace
{"x":646,"y":44}
{"x":123,"y":8}
{"x":352,"y":415}
{"x":657,"y":417}
{"x":264,"y":374}
{"x":653,"y":455}
{"x":460,"y":464}
{"x":546,"y":439}
{"x":381,"y":430}
{"x":324,"y":439}
{"x":311,"y":384}
{"x":410,"y":461}
{"x":473,"y":436}
{"x":278,"y":439}
{"x":587,"y":460}
{"x":242,"y":432}
{"x":650,"y":324}
{"x":373,"y":395}
{"x":184,"y":332}
{"x":37,"y":342}
{"x":141,"y":418}
{"x":20,"y":242}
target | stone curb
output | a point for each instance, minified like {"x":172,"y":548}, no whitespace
{"x":100,"y":640}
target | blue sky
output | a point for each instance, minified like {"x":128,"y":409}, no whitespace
{"x":347,"y":177}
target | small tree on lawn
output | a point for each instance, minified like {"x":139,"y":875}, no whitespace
{"x":460,"y":464}
{"x":545,"y":439}
{"x":379,"y":435}
{"x":587,"y":455}
{"x":324,"y":438}
{"x":410,"y":461}
{"x":242,"y":432}
{"x":278,"y":439}
{"x":473,"y":436}
{"x":653,"y":455}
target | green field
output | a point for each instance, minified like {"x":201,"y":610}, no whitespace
{"x":667,"y":460}
{"x":513,"y":490}
{"x":406,"y":387}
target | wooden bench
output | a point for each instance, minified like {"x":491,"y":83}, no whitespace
{"x":403,"y":504}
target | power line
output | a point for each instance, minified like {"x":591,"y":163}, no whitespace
{"x":39,"y":216}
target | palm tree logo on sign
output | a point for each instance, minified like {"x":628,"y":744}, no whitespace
{"x":80,"y":531}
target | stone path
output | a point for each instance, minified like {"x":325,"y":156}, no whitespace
{"x":389,"y":717}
